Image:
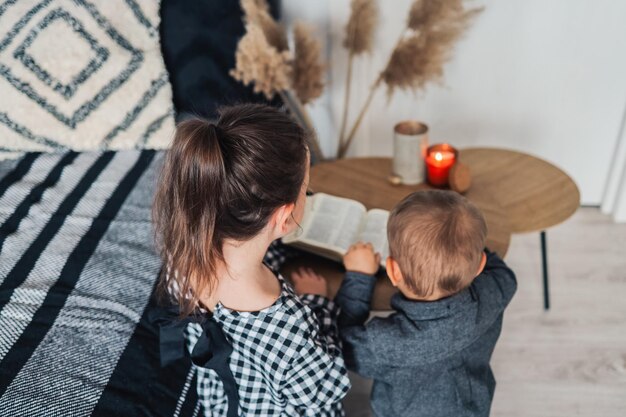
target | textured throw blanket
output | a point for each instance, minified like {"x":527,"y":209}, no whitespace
{"x":77,"y":273}
{"x":82,"y":75}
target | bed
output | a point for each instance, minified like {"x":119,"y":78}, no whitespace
{"x":77,"y":278}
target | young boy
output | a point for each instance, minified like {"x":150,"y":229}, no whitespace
{"x":431,"y":356}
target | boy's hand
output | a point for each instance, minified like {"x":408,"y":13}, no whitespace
{"x":306,"y":281}
{"x":361,"y":258}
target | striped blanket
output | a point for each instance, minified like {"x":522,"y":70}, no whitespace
{"x":77,"y":275}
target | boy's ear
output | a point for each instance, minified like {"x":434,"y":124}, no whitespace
{"x":282,"y":218}
{"x":393,"y":271}
{"x":483,"y":262}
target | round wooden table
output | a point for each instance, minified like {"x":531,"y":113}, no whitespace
{"x":516,"y":192}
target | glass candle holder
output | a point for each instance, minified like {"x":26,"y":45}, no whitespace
{"x":410,"y":140}
{"x":439,"y":160}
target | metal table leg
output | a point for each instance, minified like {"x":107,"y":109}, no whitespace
{"x":544,"y":260}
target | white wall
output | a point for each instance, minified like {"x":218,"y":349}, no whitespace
{"x":547,"y":77}
{"x":614,"y":199}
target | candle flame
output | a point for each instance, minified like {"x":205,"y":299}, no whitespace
{"x":438,"y":156}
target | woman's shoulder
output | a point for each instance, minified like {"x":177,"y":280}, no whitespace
{"x":287,"y":317}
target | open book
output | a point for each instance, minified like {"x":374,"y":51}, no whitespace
{"x":331,"y":224}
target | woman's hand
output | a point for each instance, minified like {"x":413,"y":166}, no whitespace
{"x":361,"y":258}
{"x":306,"y":281}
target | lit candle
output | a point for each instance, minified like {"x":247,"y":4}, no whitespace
{"x":439,"y":160}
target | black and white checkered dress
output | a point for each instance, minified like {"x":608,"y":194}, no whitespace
{"x":286,"y":358}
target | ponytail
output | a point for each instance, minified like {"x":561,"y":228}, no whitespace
{"x":222,"y":181}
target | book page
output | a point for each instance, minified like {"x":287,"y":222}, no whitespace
{"x":374,"y":230}
{"x":332,"y":222}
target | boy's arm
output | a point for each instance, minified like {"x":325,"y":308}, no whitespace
{"x":354,"y":298}
{"x":355,"y":292}
{"x":494,"y":287}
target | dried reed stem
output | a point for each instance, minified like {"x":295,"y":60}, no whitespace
{"x":344,"y":144}
{"x":344,"y":148}
{"x":359,"y":39}
{"x":346,"y":99}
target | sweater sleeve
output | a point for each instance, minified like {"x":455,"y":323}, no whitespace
{"x":494,"y":288}
{"x":354,"y":299}
{"x":359,"y":350}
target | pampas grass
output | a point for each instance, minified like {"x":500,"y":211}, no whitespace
{"x":361,"y":25}
{"x":260,"y":64}
{"x":424,"y":13}
{"x":257,"y":12}
{"x":263,"y":60}
{"x":425,"y":45}
{"x":418,"y":60}
{"x":433,"y":27}
{"x":308,"y":70}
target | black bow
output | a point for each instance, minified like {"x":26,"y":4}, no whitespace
{"x":212,"y":349}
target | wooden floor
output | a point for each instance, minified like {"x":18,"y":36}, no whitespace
{"x":571,"y":360}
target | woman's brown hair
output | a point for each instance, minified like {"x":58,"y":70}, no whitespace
{"x":221,"y":181}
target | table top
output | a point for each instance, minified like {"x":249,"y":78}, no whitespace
{"x":534,"y":194}
{"x":516,"y":192}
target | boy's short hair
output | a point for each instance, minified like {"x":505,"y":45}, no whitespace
{"x":437,"y":238}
